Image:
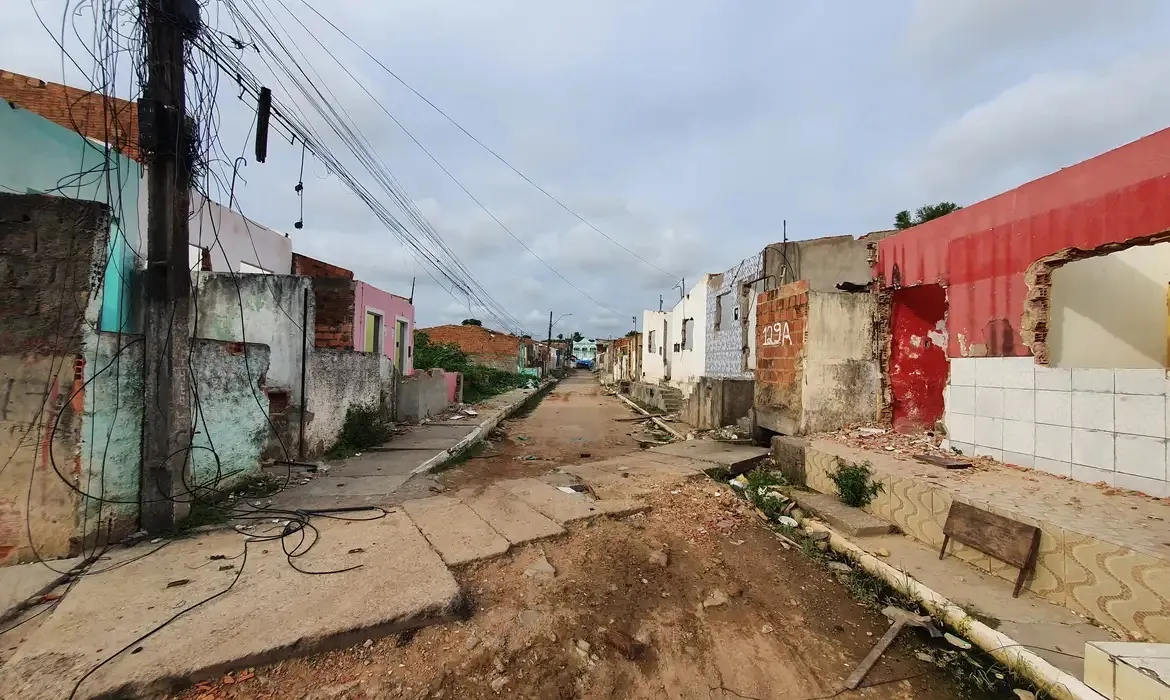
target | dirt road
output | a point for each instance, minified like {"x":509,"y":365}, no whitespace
{"x":693,"y":598}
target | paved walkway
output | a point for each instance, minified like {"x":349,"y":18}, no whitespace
{"x":373,"y":477}
{"x":258,"y":603}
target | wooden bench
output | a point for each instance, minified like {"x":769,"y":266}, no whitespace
{"x":1003,"y":538}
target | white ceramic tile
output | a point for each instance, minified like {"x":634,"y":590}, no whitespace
{"x":1141,"y":456}
{"x":1158,"y":488}
{"x":1054,"y":442}
{"x":1018,"y":372}
{"x":988,"y":402}
{"x":989,"y":371}
{"x":1092,"y":448}
{"x":991,"y":452}
{"x":988,"y":432}
{"x":961,"y":399}
{"x":961,"y":427}
{"x":1018,"y":459}
{"x":1139,"y":415}
{"x":964,"y":448}
{"x":1019,"y":404}
{"x":1092,"y":475}
{"x":1092,"y":380}
{"x":1140,"y":381}
{"x":1092,"y":410}
{"x":1054,"y":378}
{"x":1052,"y":466}
{"x":1054,"y":407}
{"x":962,"y":371}
{"x":1019,"y":436}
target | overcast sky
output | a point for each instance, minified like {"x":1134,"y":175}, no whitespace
{"x":687,"y":130}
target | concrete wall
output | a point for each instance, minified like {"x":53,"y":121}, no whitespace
{"x":339,"y":379}
{"x":716,"y":403}
{"x":393,"y":309}
{"x":232,"y":425}
{"x":822,"y":262}
{"x":688,"y":351}
{"x":818,"y":358}
{"x":650,"y":395}
{"x":727,"y":320}
{"x":655,"y":350}
{"x":842,"y":374}
{"x":273,"y":308}
{"x":37,"y":155}
{"x":425,"y":394}
{"x":1110,"y":311}
{"x":233,"y":239}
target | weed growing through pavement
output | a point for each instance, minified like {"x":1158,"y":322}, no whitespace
{"x":855,"y":486}
{"x":364,"y":427}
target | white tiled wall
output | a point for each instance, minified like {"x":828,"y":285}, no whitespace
{"x":1094,"y":425}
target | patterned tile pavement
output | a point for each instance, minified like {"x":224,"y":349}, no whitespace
{"x":1103,"y":553}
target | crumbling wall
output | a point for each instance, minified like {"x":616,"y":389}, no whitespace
{"x":918,"y":365}
{"x":781,"y":324}
{"x":716,"y":403}
{"x":231,"y":409}
{"x":339,"y":379}
{"x":842,"y":374}
{"x":424,"y":394}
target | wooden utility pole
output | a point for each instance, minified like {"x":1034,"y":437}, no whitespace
{"x":167,"y":425}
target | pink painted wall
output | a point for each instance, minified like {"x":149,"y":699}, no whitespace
{"x":391,"y":307}
{"x":452,"y":385}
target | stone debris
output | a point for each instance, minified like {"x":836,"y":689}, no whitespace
{"x":715,"y":599}
{"x":839,"y":567}
{"x":498,"y":683}
{"x":957,"y":641}
{"x":541,"y":568}
{"x":660,"y":557}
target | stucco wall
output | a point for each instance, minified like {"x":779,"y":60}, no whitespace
{"x":232,"y":410}
{"x":424,"y":394}
{"x":688,"y":361}
{"x":1110,"y":311}
{"x":52,"y":250}
{"x":918,"y":356}
{"x":727,"y":321}
{"x":842,"y":374}
{"x":339,"y":379}
{"x":822,"y":262}
{"x":655,"y":350}
{"x":392,"y":308}
{"x":272,"y":315}
{"x":716,"y":403}
{"x":240,"y":240}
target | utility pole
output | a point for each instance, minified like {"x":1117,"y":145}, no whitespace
{"x":167,"y":425}
{"x":550,"y":334}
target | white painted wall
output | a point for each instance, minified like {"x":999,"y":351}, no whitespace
{"x":1110,"y":311}
{"x":687,"y":363}
{"x":653,"y":346}
{"x":1093,"y":425}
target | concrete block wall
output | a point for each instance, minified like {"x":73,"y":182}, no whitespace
{"x":781,"y":322}
{"x":339,"y":379}
{"x":1093,"y":425}
{"x":424,"y":394}
{"x":334,"y":301}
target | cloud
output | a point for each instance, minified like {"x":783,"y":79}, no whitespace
{"x":1049,"y":121}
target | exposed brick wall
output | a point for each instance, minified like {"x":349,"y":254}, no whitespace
{"x":334,"y":304}
{"x":312,"y":267}
{"x":781,"y":327}
{"x":106,"y":119}
{"x":485,"y":346}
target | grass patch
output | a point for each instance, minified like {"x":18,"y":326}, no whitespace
{"x":364,"y":427}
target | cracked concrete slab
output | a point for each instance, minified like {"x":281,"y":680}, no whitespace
{"x":736,"y":458}
{"x":454,"y":530}
{"x":21,"y":582}
{"x":551,"y":501}
{"x":511,"y":517}
{"x":272,"y":612}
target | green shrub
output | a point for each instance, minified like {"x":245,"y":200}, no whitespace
{"x":365,"y":427}
{"x":854,"y":486}
{"x":479,"y":382}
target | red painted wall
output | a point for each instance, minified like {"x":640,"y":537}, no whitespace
{"x":918,"y":357}
{"x":980,"y":253}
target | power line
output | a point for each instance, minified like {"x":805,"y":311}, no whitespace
{"x":482,"y":145}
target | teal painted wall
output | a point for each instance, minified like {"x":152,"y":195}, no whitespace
{"x":232,"y":411}
{"x":39,"y":155}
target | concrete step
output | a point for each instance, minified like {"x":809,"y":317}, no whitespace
{"x":454,"y":530}
{"x":514,"y":519}
{"x":846,"y":519}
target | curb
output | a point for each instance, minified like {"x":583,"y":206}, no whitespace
{"x":482,"y":430}
{"x":1053,"y":681}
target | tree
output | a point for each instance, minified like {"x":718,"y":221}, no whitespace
{"x":560,"y":336}
{"x":472,"y":322}
{"x":903,"y":220}
{"x":631,"y":334}
{"x":577,"y":337}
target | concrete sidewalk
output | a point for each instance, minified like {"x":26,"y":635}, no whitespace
{"x":261,"y":609}
{"x":372,"y":477}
